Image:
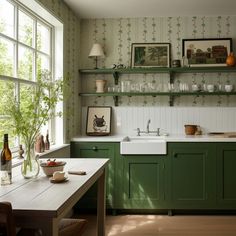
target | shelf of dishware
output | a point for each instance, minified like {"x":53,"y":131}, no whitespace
{"x":183,"y":89}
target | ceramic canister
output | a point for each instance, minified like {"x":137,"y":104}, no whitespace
{"x":100,"y":85}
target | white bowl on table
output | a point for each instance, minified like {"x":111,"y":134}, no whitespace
{"x":50,"y":169}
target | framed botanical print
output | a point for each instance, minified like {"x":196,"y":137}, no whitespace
{"x":148,"y":55}
{"x":98,"y":121}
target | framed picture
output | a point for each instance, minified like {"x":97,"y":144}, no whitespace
{"x":98,"y":121}
{"x":150,"y":55}
{"x":207,"y":52}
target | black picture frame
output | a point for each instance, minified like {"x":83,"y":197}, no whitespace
{"x":98,"y":120}
{"x":206,"y":51}
{"x":147,"y":55}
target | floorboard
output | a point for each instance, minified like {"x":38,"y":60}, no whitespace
{"x":163,"y":225}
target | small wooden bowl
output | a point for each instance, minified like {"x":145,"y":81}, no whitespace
{"x":190,"y":129}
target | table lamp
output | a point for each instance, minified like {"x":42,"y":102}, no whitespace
{"x":96,"y":52}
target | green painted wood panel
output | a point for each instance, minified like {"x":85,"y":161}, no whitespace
{"x":97,"y":150}
{"x":142,"y":182}
{"x":192,"y":175}
{"x":226,"y":175}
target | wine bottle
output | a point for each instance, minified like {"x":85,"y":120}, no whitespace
{"x":6,"y":158}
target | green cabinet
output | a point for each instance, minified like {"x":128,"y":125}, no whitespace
{"x":192,"y":175}
{"x":226,"y":175}
{"x":141,"y":182}
{"x":97,"y":150}
{"x":196,"y":175}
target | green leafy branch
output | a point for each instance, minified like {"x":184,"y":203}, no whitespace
{"x":37,"y":107}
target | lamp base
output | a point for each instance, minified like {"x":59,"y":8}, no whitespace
{"x":96,"y":63}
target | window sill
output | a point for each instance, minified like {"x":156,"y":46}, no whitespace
{"x":54,"y":148}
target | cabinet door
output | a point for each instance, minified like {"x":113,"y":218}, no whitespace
{"x":142,"y":182}
{"x":226,"y":175}
{"x":96,"y":150}
{"x":192,"y":175}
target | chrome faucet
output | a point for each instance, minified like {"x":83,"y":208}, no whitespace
{"x":157,"y":132}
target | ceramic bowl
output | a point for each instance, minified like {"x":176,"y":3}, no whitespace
{"x":210,"y":88}
{"x":49,"y":170}
{"x":228,"y":87}
{"x":190,"y":129}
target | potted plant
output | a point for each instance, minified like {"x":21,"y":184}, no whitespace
{"x":37,"y":108}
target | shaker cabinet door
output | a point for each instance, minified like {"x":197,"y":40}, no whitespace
{"x":142,"y":182}
{"x":192,"y":175}
{"x":226,"y":175}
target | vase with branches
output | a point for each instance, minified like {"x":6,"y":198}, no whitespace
{"x":38,"y":108}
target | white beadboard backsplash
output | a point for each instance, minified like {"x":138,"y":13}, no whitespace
{"x":169,"y":119}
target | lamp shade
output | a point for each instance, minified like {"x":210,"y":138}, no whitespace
{"x":96,"y":51}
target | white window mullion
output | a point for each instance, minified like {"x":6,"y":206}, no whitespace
{"x":16,"y":44}
{"x":35,"y":51}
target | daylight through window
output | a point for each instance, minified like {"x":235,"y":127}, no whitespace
{"x":26,"y":49}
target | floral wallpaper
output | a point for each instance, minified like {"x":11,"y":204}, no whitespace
{"x":116,"y":37}
{"x":71,"y":61}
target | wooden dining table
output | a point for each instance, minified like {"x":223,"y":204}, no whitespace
{"x":39,"y":203}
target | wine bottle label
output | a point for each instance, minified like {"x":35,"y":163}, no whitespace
{"x":7,"y":167}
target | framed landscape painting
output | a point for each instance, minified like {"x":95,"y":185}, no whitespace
{"x":98,"y":121}
{"x":207,"y":52}
{"x":146,"y":55}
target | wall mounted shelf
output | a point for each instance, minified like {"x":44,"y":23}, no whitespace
{"x":154,"y":94}
{"x":222,"y":69}
{"x":171,"y":71}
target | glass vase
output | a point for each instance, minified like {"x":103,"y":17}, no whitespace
{"x":30,"y":166}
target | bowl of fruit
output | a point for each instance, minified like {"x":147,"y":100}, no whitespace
{"x":50,"y":166}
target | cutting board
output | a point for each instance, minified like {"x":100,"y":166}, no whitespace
{"x":223,"y":134}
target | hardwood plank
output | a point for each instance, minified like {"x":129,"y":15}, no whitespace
{"x":162,"y":225}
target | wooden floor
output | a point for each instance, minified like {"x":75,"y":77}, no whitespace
{"x":163,"y":225}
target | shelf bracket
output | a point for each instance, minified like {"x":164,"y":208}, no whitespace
{"x":171,"y":77}
{"x":116,"y":77}
{"x":171,"y":100}
{"x":115,"y":98}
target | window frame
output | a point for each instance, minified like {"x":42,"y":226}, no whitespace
{"x":51,"y":56}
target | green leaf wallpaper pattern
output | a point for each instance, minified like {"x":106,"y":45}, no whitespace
{"x":71,"y":61}
{"x":120,"y":33}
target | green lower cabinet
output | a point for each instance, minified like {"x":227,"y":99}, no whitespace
{"x":97,"y":150}
{"x":226,"y":175}
{"x":141,"y":182}
{"x":192,"y":175}
{"x":196,"y":175}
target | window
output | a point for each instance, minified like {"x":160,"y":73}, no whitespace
{"x":26,"y":48}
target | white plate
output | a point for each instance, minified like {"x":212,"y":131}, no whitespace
{"x":58,"y":181}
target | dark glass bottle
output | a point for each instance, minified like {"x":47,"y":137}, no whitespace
{"x":6,"y":158}
{"x":47,"y":143}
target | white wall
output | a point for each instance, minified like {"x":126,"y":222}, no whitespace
{"x":170,"y":119}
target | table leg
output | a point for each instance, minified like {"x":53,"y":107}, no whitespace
{"x":101,"y":205}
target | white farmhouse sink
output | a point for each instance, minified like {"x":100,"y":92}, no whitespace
{"x":143,"y":145}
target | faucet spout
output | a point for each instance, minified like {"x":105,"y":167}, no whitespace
{"x":148,"y":123}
